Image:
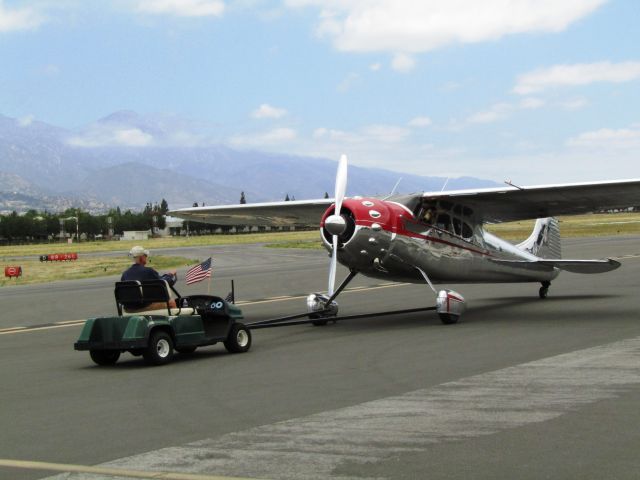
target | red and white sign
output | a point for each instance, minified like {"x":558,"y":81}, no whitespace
{"x":14,"y":271}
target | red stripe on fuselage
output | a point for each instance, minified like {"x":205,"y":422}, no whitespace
{"x":407,"y":233}
{"x":391,"y":219}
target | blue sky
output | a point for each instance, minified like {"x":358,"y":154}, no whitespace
{"x":536,"y":91}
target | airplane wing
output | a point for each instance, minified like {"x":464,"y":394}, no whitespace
{"x":521,"y":203}
{"x":490,"y":204}
{"x":275,"y":214}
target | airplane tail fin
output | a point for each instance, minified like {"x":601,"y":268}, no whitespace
{"x":544,"y":241}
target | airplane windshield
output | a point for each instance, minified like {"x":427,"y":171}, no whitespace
{"x":446,"y":216}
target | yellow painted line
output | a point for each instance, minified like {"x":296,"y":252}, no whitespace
{"x":69,"y":322}
{"x":627,"y":257}
{"x":114,"y":472}
{"x":354,"y":289}
{"x":12,"y":329}
{"x":35,"y":329}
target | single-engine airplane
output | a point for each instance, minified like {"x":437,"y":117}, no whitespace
{"x":437,"y":237}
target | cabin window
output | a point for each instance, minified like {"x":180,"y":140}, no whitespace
{"x":444,"y":222}
{"x":467,"y":231}
{"x":457,"y":226}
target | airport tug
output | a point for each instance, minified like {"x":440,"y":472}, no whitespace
{"x":198,"y":320}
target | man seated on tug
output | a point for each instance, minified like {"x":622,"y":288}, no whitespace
{"x":139,"y":271}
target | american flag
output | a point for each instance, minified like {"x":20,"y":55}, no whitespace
{"x":199,"y":272}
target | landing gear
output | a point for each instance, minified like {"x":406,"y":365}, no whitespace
{"x":449,"y":304}
{"x":448,"y":319}
{"x":544,"y":290}
{"x":322,"y":308}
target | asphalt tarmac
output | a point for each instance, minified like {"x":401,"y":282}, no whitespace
{"x":520,"y":388}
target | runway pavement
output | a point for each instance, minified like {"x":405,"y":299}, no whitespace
{"x":521,"y":388}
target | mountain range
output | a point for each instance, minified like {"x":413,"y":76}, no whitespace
{"x":129,"y":160}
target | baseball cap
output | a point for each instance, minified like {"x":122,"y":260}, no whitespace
{"x":138,"y":251}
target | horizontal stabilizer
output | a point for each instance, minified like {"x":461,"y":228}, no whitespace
{"x":574,"y":266}
{"x":583,"y":266}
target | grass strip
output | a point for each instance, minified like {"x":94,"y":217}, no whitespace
{"x":12,"y":251}
{"x":34,"y":271}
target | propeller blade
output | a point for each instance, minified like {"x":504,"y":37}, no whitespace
{"x":341,"y":189}
{"x":341,"y":183}
{"x":332,"y":268}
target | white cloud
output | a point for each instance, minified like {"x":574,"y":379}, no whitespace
{"x":349,"y":81}
{"x":403,"y":63}
{"x":16,"y":19}
{"x":607,"y":138}
{"x":419,"y":122}
{"x":531,"y":103}
{"x":498,"y":111}
{"x":386,"y":133}
{"x":374,"y":67}
{"x":418,"y":26}
{"x":576,"y":75}
{"x":369,"y":134}
{"x":574,"y":104}
{"x":182,"y":8}
{"x":267,"y":111}
{"x":337,"y":136}
{"x":99,"y":136}
{"x":270,"y":138}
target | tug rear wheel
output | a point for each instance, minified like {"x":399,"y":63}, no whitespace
{"x":160,"y":348}
{"x":104,"y":357}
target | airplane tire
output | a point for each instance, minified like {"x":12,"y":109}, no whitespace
{"x":160,"y":348}
{"x":543,"y":292}
{"x":239,"y":339}
{"x":104,"y":357}
{"x":448,"y":319}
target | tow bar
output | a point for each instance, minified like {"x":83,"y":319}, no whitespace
{"x":291,"y":320}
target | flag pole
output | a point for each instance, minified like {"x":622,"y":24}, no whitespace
{"x":209,"y":283}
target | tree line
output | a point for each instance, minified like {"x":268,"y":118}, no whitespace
{"x":43,"y":226}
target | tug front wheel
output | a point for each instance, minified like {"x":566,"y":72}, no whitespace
{"x":239,"y":339}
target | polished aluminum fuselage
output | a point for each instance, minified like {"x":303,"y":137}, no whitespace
{"x":395,"y":245}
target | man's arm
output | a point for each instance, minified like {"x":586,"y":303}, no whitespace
{"x":170,"y":277}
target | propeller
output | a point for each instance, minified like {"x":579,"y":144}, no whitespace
{"x":336,"y":224}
